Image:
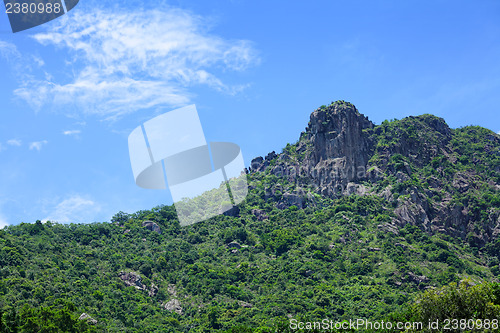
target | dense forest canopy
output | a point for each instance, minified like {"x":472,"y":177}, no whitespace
{"x":410,"y":237}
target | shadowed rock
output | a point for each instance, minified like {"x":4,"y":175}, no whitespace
{"x":152,"y":226}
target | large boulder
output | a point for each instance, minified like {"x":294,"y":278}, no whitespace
{"x":173,"y":305}
{"x":132,"y":279}
{"x":87,"y":318}
{"x":153,"y":226}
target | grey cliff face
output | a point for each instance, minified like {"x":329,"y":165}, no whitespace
{"x":340,"y":150}
{"x":337,"y":132}
{"x":341,"y":153}
{"x":332,"y":152}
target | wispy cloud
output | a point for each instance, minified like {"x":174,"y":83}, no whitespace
{"x":20,"y":66}
{"x":38,"y":145}
{"x":14,"y":142}
{"x":72,"y":132}
{"x":75,"y":209}
{"x":8,"y":49}
{"x":38,"y":61}
{"x":124,"y":62}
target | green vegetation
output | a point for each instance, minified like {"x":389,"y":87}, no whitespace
{"x":338,"y":258}
{"x":457,"y":307}
{"x":314,"y":263}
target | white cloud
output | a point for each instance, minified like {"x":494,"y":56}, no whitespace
{"x":38,"y":61}
{"x":14,"y":142}
{"x":75,"y":209}
{"x":7,"y":49}
{"x":72,"y":132}
{"x":38,"y":145}
{"x":134,"y":60}
{"x":21,"y":67}
{"x":3,"y":223}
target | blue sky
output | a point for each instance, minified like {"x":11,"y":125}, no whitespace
{"x":73,"y":89}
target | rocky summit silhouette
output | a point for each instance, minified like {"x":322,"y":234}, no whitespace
{"x":341,"y":152}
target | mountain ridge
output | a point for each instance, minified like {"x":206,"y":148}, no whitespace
{"x":341,"y":152}
{"x":330,"y":229}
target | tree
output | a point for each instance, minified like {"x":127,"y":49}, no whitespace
{"x":461,"y":301}
{"x":120,"y":217}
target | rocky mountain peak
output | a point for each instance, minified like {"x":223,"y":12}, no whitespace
{"x":325,"y":117}
{"x":333,"y":151}
{"x":430,"y":173}
{"x":435,"y":123}
{"x":336,"y":131}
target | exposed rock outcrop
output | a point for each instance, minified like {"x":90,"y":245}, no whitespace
{"x":173,"y":305}
{"x":152,"y":226}
{"x":418,"y":279}
{"x":259,"y":214}
{"x":88,"y":319}
{"x":153,"y":290}
{"x":332,"y":152}
{"x":132,"y":279}
{"x":342,"y":153}
{"x":171,"y":289}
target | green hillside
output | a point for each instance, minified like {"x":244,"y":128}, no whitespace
{"x":354,"y":220}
